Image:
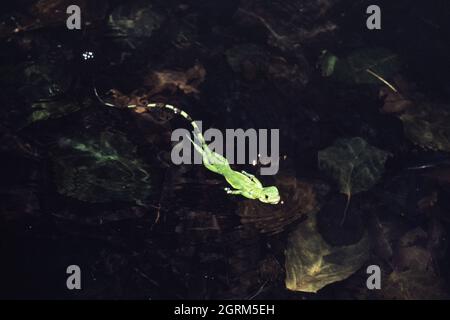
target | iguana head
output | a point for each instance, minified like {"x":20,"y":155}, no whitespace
{"x":270,"y":195}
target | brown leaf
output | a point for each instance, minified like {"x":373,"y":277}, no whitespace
{"x":439,"y":174}
{"x":394,"y":102}
{"x":414,"y":276}
{"x":187,"y":82}
{"x":311,"y":263}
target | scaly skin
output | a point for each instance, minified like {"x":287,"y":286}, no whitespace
{"x":242,"y":183}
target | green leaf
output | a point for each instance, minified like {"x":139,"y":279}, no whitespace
{"x":354,"y":68}
{"x":327,"y":63}
{"x":353,"y":163}
{"x":51,"y":110}
{"x":311,"y":263}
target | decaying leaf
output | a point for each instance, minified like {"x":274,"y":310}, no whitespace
{"x":53,"y":10}
{"x":428,"y":125}
{"x":43,"y":80}
{"x":394,"y":102}
{"x":414,"y":276}
{"x":101,"y":169}
{"x":299,"y":200}
{"x":440,"y":174}
{"x":425,"y":123}
{"x":255,"y":62}
{"x":171,"y":80}
{"x":157,"y":82}
{"x":365,"y":66}
{"x":413,"y":285}
{"x":311,"y":263}
{"x":131,"y":24}
{"x":250,"y":60}
{"x":293,"y":32}
{"x":354,"y":164}
{"x":51,"y":110}
{"x":49,"y":13}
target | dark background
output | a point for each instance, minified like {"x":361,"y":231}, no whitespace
{"x":121,"y":252}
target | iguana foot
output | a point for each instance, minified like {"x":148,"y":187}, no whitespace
{"x":229,"y":191}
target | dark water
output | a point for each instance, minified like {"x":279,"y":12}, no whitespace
{"x":231,"y":64}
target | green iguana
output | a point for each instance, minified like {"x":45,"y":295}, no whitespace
{"x":242,"y":183}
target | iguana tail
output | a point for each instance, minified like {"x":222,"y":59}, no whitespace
{"x":198,"y":134}
{"x":212,"y":161}
{"x":184,"y":114}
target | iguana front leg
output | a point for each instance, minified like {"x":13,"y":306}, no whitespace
{"x":253,"y":178}
{"x":246,"y":194}
{"x":230,"y":191}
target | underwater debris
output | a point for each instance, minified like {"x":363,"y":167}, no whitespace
{"x":366,"y":66}
{"x":299,"y":200}
{"x":101,"y":169}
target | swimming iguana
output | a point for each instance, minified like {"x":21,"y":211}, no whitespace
{"x":242,"y":183}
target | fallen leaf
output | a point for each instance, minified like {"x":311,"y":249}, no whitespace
{"x":311,"y":263}
{"x":255,"y":62}
{"x":413,"y":285}
{"x":187,"y":82}
{"x":131,"y":25}
{"x":394,"y":102}
{"x":428,"y":125}
{"x":361,"y":67}
{"x":354,"y":164}
{"x":414,"y":276}
{"x":440,"y":174}
{"x":101,"y":169}
{"x":51,"y":110}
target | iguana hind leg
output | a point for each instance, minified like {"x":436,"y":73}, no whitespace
{"x":253,"y":178}
{"x":212,"y":160}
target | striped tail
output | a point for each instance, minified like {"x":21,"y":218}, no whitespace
{"x":184,"y":114}
{"x":175,"y":110}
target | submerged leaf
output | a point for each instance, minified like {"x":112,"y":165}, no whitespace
{"x":311,"y":263}
{"x":102,"y":169}
{"x":394,"y":102}
{"x":413,"y":285}
{"x":428,"y":125}
{"x":186,"y":81}
{"x":255,"y":62}
{"x":51,"y":109}
{"x":360,"y":66}
{"x":130,"y":25}
{"x":414,"y":276}
{"x":327,"y":63}
{"x":354,"y":164}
